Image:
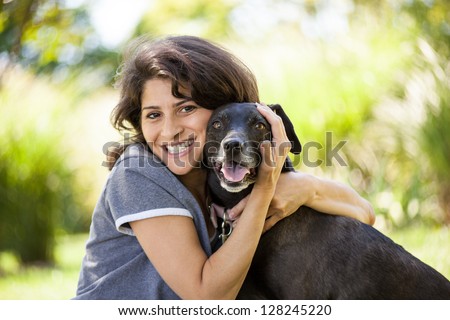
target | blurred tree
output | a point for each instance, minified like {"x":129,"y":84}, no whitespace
{"x":37,"y":192}
{"x":425,"y":88}
{"x":405,"y":121}
{"x":46,"y":37}
{"x":435,"y":136}
{"x":433,"y":20}
{"x":210,"y":19}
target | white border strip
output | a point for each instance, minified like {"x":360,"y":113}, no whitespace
{"x":225,"y":309}
{"x":149,"y":214}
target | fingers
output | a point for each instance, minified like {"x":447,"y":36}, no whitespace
{"x":267,"y":154}
{"x":273,"y":153}
{"x":279,"y":136}
{"x":271,"y":221}
{"x":236,"y":211}
{"x":275,"y":121}
{"x":235,"y":222}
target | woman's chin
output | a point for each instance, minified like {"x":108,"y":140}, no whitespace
{"x":180,"y":167}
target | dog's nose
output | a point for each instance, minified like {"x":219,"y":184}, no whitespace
{"x":232,"y":144}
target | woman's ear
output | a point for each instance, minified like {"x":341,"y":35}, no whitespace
{"x":292,"y":136}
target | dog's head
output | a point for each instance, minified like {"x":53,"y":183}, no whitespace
{"x":234,"y":134}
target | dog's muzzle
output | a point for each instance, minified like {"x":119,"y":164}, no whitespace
{"x":235,"y":163}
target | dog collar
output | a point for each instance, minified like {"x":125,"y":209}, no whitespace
{"x":216,"y":211}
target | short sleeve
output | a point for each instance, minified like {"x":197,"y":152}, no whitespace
{"x":133,"y":193}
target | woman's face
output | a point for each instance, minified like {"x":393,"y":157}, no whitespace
{"x":174,"y":128}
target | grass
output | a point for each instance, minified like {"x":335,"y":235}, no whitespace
{"x":59,"y":282}
{"x":44,"y":282}
{"x":431,"y":245}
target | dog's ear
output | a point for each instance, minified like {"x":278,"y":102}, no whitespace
{"x":292,"y":136}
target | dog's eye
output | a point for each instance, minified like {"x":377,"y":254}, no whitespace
{"x":260,"y":126}
{"x":217,"y":125}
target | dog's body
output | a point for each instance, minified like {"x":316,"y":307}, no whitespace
{"x":308,"y":255}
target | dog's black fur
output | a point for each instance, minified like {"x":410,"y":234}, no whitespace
{"x":309,"y":255}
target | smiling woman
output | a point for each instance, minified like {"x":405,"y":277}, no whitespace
{"x":157,"y":209}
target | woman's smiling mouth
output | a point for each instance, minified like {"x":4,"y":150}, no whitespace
{"x":179,"y":148}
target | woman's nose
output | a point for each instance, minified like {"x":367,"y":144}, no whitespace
{"x":171,"y":128}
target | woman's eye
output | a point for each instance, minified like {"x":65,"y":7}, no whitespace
{"x":153,"y":115}
{"x":187,"y":109}
{"x":260,"y":126}
{"x":217,"y":125}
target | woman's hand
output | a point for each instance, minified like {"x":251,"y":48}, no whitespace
{"x":288,"y":197}
{"x":273,"y":153}
{"x":291,"y":193}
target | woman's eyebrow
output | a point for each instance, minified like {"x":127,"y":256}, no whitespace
{"x":179,"y":103}
{"x":183,"y":101}
{"x":150,"y":107}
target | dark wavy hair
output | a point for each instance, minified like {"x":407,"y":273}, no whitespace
{"x":213,"y":76}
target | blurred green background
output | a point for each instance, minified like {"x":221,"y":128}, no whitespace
{"x":375,"y":75}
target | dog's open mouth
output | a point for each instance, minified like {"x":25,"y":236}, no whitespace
{"x":233,"y":173}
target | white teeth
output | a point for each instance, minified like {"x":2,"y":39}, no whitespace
{"x":179,"y":148}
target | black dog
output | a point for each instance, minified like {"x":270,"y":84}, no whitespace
{"x":308,"y":255}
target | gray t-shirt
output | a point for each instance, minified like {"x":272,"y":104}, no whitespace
{"x":115,"y":266}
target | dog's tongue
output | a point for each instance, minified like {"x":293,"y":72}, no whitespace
{"x":234,"y":172}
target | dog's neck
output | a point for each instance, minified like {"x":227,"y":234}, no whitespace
{"x":221,"y":196}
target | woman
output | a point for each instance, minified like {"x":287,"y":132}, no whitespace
{"x":151,"y":234}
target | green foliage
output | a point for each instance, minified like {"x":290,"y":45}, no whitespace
{"x":332,"y":88}
{"x":204,"y":18}
{"x":44,"y":282}
{"x":435,"y":137}
{"x":37,"y":186}
{"x":433,"y":20}
{"x":426,"y":243}
{"x":48,"y":37}
{"x":370,"y":88}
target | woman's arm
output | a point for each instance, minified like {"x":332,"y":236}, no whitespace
{"x":295,"y":189}
{"x":172,"y":245}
